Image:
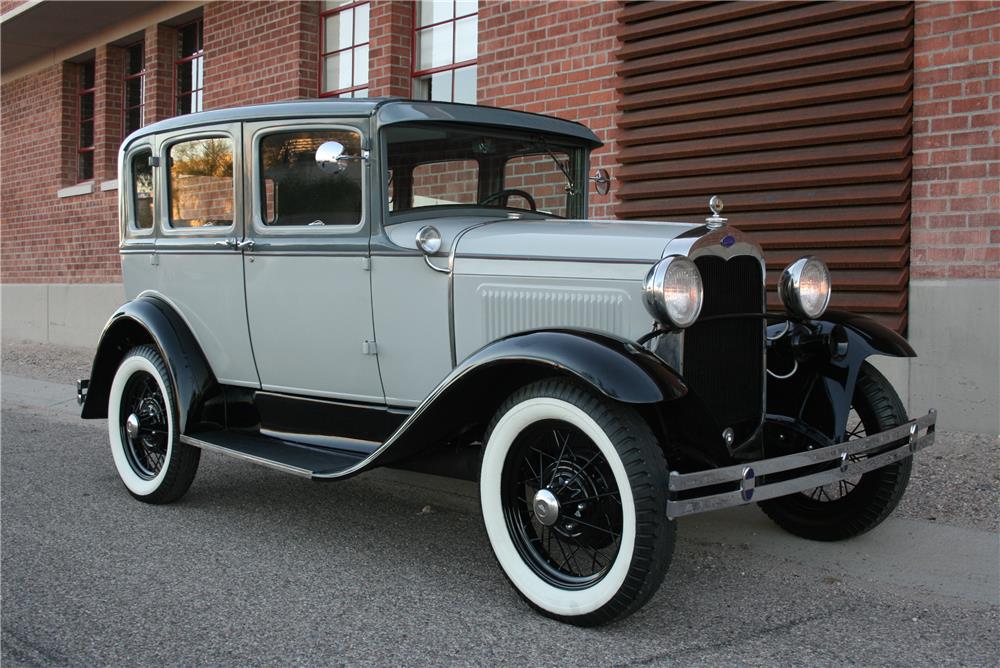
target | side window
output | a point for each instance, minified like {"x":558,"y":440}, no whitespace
{"x":448,"y":182}
{"x":295,"y":191}
{"x":201,"y":183}
{"x":142,"y":190}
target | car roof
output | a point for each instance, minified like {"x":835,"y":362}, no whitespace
{"x":386,"y":110}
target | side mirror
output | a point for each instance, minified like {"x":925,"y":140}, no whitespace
{"x":328,"y":157}
{"x":602,"y":181}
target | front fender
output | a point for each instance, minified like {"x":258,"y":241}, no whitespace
{"x":467,"y":398}
{"x":150,"y":320}
{"x":829,"y":353}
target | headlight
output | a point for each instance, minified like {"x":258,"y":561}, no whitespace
{"x":804,"y":287}
{"x":672,"y":292}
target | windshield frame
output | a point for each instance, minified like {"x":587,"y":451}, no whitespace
{"x":577,"y":150}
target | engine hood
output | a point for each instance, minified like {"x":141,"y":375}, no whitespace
{"x":569,"y":240}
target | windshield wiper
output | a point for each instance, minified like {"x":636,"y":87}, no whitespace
{"x":570,"y":186}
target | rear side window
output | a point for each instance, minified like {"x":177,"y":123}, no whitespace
{"x":142,"y":191}
{"x":295,"y":191}
{"x":201,"y":183}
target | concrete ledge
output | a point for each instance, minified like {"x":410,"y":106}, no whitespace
{"x":68,"y":315}
{"x":78,"y":189}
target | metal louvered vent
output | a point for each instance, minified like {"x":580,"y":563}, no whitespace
{"x":724,"y":358}
{"x":798,"y":114}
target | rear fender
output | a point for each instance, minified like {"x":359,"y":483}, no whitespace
{"x":829,"y":354}
{"x":151,"y":320}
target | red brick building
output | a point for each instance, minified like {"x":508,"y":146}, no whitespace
{"x":864,"y":132}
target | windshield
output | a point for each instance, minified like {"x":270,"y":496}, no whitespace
{"x":452,"y":166}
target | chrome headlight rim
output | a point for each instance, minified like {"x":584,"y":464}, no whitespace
{"x":662,"y":275}
{"x":790,"y":287}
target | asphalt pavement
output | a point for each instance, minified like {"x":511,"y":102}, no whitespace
{"x":255,"y":567}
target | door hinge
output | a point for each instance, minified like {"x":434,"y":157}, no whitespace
{"x":366,"y":264}
{"x":154,"y":259}
{"x":369,"y":348}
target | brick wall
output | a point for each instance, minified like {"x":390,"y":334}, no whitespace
{"x":260,"y":52}
{"x":45,"y":239}
{"x":956,"y":141}
{"x":390,"y":51}
{"x":555,"y":58}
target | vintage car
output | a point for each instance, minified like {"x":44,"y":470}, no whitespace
{"x":329,"y":286}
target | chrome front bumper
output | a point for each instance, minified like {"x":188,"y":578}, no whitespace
{"x":683,"y":487}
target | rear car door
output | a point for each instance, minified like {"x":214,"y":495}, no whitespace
{"x":308,"y":279}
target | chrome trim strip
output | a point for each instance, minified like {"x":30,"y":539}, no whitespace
{"x":543,"y":258}
{"x":451,"y":284}
{"x":205,"y":445}
{"x":908,"y":432}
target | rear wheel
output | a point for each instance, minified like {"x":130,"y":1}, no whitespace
{"x":853,"y":506}
{"x":142,"y":427}
{"x":573,"y":493}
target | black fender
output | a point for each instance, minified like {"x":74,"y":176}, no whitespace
{"x":467,"y":398}
{"x":829,"y":353}
{"x":152,"y":320}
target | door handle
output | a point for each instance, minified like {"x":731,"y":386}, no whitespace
{"x":246,"y":244}
{"x":228,"y":243}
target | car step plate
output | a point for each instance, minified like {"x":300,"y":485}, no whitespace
{"x":276,"y":453}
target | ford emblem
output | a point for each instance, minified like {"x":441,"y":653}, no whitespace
{"x":728,"y":240}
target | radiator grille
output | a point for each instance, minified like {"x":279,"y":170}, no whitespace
{"x":723,"y":359}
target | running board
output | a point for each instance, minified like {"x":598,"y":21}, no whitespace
{"x":287,"y":456}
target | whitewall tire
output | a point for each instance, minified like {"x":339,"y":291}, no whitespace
{"x":142,"y":429}
{"x":573,"y":494}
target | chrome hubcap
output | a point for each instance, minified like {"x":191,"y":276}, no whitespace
{"x":132,"y":426}
{"x":546,"y":507}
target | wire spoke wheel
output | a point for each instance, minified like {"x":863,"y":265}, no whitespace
{"x":562,"y":505}
{"x":835,"y":491}
{"x":143,"y":425}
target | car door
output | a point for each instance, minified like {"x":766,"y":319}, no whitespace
{"x":196,"y":266}
{"x":308,"y":279}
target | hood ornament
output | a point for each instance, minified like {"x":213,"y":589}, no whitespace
{"x":715,"y":221}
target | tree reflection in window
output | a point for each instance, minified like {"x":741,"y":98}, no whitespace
{"x":201,"y":183}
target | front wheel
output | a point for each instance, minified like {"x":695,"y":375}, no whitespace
{"x":142,"y":427}
{"x":573,"y":494}
{"x":853,"y":506}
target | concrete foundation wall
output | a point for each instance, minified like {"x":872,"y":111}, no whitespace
{"x":954,"y":326}
{"x":63,"y":314}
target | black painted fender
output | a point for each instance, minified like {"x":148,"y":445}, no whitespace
{"x":837,"y":373}
{"x":617,"y":368}
{"x":151,"y":320}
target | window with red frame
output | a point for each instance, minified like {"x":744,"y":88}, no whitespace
{"x":190,"y":67}
{"x":85,"y":152}
{"x":344,"y":50}
{"x":134,"y":78}
{"x":445,"y":48}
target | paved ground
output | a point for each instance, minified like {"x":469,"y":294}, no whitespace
{"x":253,"y":566}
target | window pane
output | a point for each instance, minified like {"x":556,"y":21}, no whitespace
{"x":360,"y":66}
{"x":134,"y":58}
{"x":333,"y":4}
{"x":361,"y":17}
{"x":463,"y":7}
{"x":196,"y":101}
{"x":87,"y":75}
{"x":465,"y":85}
{"x":201,"y":183}
{"x":133,"y":119}
{"x":185,"y":76}
{"x":300,"y":192}
{"x":87,"y":107}
{"x":432,"y":11}
{"x":337,"y":71}
{"x":466,"y":39}
{"x":188,"y":37}
{"x":86,"y":134}
{"x":86,"y":166}
{"x":142,"y":191}
{"x":434,"y":46}
{"x":440,"y":86}
{"x":361,"y":93}
{"x":133,"y":92}
{"x":338,"y":30}
{"x":449,"y":182}
{"x":539,"y":176}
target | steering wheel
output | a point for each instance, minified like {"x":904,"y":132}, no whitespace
{"x":505,"y":194}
